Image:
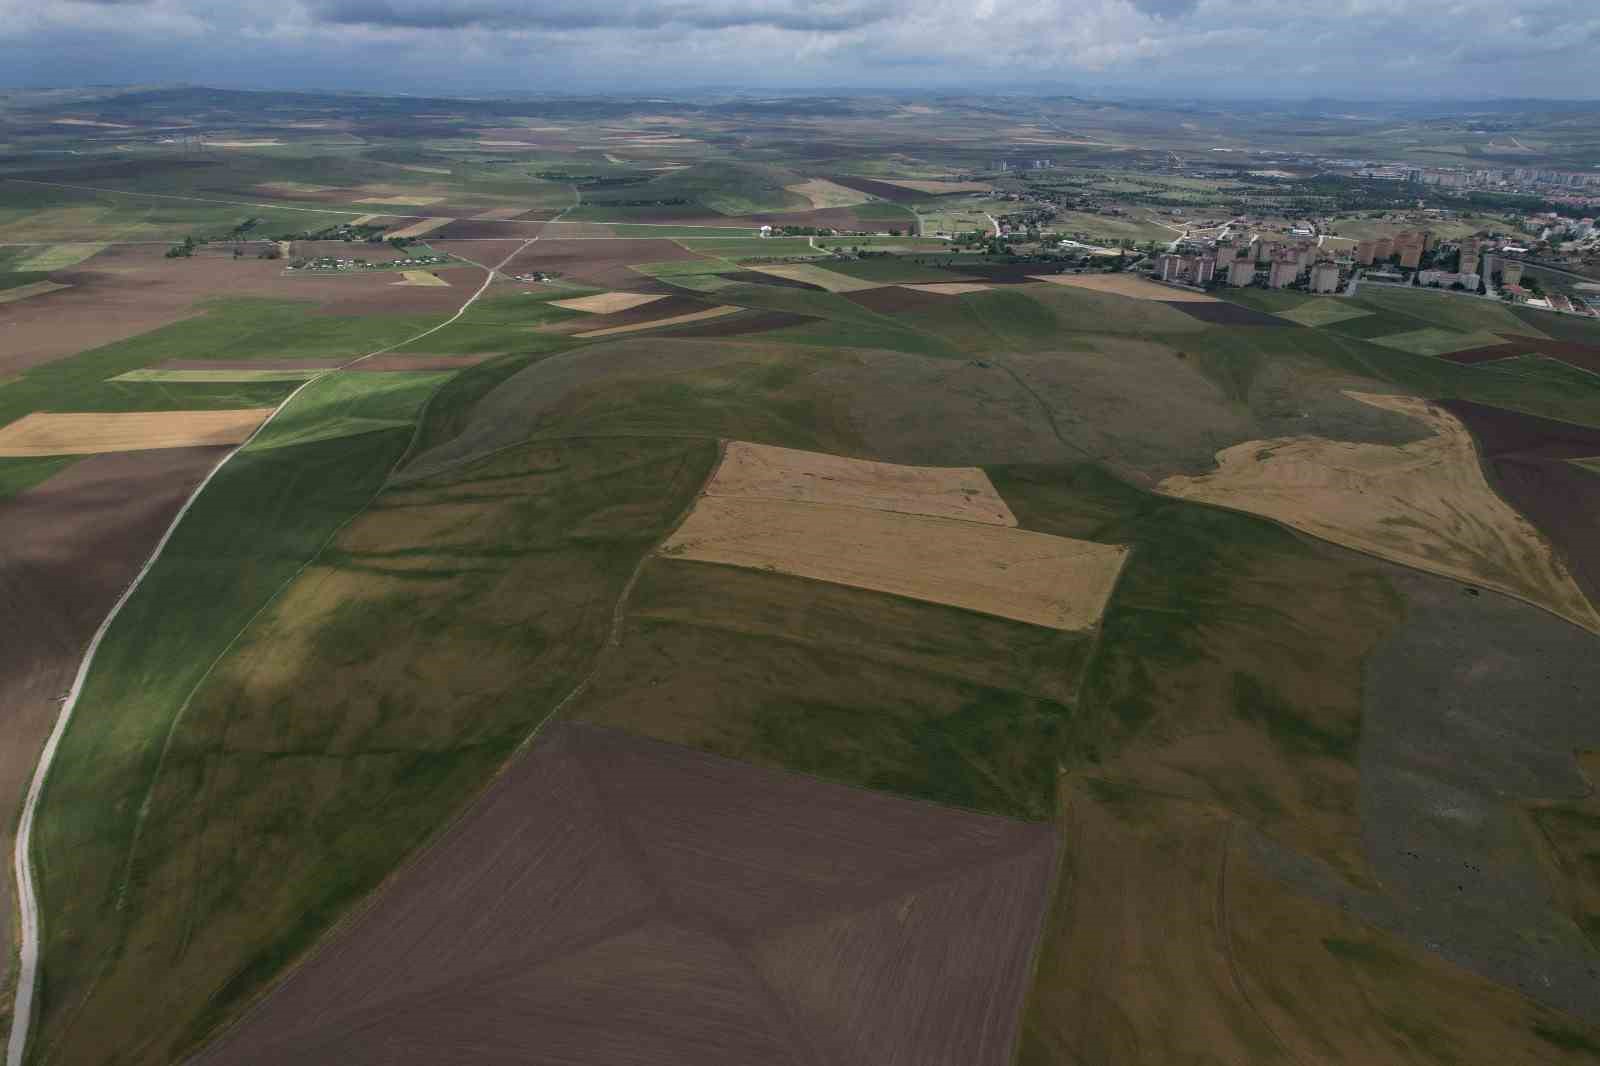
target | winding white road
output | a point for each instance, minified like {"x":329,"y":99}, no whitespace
{"x":27,"y":896}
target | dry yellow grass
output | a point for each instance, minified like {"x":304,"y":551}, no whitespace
{"x":937,"y":188}
{"x":607,"y":303}
{"x":1425,"y":504}
{"x":763,"y":472}
{"x":950,"y":288}
{"x":276,"y":188}
{"x":422,"y":278}
{"x":363,"y":220}
{"x":821,"y":193}
{"x":675,"y":320}
{"x":1012,"y":573}
{"x":499,"y":214}
{"x":403,"y":200}
{"x":815,"y":275}
{"x":417,"y":229}
{"x":37,"y":288}
{"x":1127,"y":285}
{"x":43,"y":433}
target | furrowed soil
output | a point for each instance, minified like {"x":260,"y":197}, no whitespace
{"x":603,"y":263}
{"x":72,"y":544}
{"x":432,"y":662}
{"x":676,"y":907}
{"x":1530,"y":462}
{"x":1425,"y":504}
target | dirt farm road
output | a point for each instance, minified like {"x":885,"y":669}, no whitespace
{"x":27,"y":898}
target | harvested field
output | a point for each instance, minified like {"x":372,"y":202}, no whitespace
{"x":216,"y":375}
{"x":407,"y":200}
{"x":1127,"y":285}
{"x":763,"y":472}
{"x":502,"y":213}
{"x":743,"y":325}
{"x":1011,"y":573}
{"x":818,"y":276}
{"x":617,"y":900}
{"x":759,"y":277}
{"x":949,"y":288}
{"x":821,"y":194}
{"x":692,"y":316}
{"x":664,"y":307}
{"x":35,"y":288}
{"x":1425,"y":505}
{"x":1530,"y":463}
{"x":297,"y":190}
{"x":72,"y":544}
{"x":1221,"y":313}
{"x":422,"y":278}
{"x":364,"y":220}
{"x":417,"y":229}
{"x":606,"y":303}
{"x":42,"y":433}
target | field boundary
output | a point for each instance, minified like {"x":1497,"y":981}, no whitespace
{"x":27,"y":893}
{"x":362,"y":907}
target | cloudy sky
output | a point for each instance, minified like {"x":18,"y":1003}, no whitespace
{"x":1354,"y":49}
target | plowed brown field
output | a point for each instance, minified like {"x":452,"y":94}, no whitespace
{"x":70,"y":547}
{"x":614,"y":901}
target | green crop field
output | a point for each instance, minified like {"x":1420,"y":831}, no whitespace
{"x":382,"y":599}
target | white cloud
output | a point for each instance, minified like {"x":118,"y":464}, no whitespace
{"x":1347,"y":48}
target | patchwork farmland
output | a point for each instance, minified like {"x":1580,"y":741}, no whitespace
{"x":495,"y":601}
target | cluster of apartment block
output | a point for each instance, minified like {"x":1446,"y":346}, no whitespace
{"x":1278,"y":263}
{"x":1407,"y":246}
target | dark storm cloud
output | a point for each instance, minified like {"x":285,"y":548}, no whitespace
{"x":799,"y":15}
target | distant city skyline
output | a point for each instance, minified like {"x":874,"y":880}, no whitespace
{"x":1342,"y":49}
